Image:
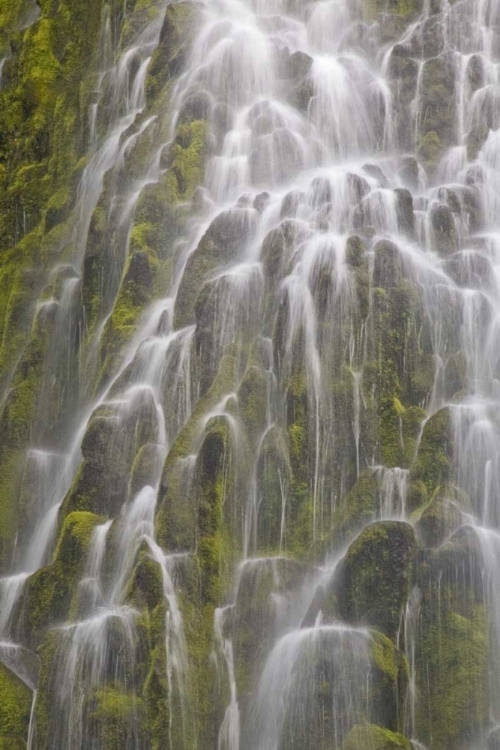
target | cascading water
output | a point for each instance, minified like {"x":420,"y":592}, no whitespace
{"x":258,"y":500}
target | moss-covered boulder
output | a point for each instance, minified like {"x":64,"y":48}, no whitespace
{"x":452,"y":648}
{"x":48,"y":593}
{"x":372,"y":737}
{"x":221,"y":244}
{"x":175,"y":35}
{"x":261,"y":583}
{"x":441,"y":517}
{"x":15,"y":709}
{"x":338,"y":678}
{"x":374,"y":581}
{"x":115,"y":719}
{"x":114,"y":436}
{"x":357,"y":508}
{"x":434,"y":462}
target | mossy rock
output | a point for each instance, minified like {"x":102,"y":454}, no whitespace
{"x":441,"y":517}
{"x":452,"y":648}
{"x":444,"y":230}
{"x":260,"y":582}
{"x":175,"y":38}
{"x":339,"y":677}
{"x":115,"y":718}
{"x":357,"y":508}
{"x":437,"y":105}
{"x":273,"y":478}
{"x":216,"y":509}
{"x":372,"y":737}
{"x":113,"y":438}
{"x":48,"y":593}
{"x":176,"y":518}
{"x":15,"y":709}
{"x":145,"y":586}
{"x":134,"y":294}
{"x":221,"y":243}
{"x":252,"y":402}
{"x":433,"y":465}
{"x":374,"y":580}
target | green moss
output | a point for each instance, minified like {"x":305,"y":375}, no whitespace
{"x":273,"y":477}
{"x":175,"y":42}
{"x":175,"y":522}
{"x":215,"y":510}
{"x":391,"y":448}
{"x":452,"y":648}
{"x":116,"y":717}
{"x":187,"y":157}
{"x":134,"y":294}
{"x":15,"y":708}
{"x":217,"y":247}
{"x":356,"y":509}
{"x":252,"y":402}
{"x":145,"y":587}
{"x":376,"y":574}
{"x":371,"y":737}
{"x":455,"y":655}
{"x":433,"y":465}
{"x":441,"y":516}
{"x":399,"y":7}
{"x":11,"y":468}
{"x":48,"y":592}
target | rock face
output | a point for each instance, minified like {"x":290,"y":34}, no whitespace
{"x":249,"y":404}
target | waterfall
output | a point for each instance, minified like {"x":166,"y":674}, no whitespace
{"x":251,"y":393}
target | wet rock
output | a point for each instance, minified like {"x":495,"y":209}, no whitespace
{"x":323,"y":605}
{"x":261,"y":202}
{"x":302,"y":90}
{"x":173,"y":49}
{"x":451,"y":578}
{"x":388,"y":268}
{"x":109,"y":446}
{"x":145,"y":469}
{"x":440,"y":518}
{"x":291,"y":204}
{"x":455,"y":375}
{"x":341,"y":670}
{"x":355,"y":251}
{"x":15,"y":709}
{"x":409,"y":172}
{"x":428,"y":38}
{"x":321,"y":191}
{"x":374,"y":171}
{"x":475,"y":72}
{"x":470,"y":269}
{"x":299,"y":66}
{"x":437,"y":109}
{"x":358,"y":186}
{"x":277,"y":248}
{"x":403,"y":71}
{"x":364,"y":736}
{"x":445,"y":236}
{"x":273,"y":478}
{"x":221,"y":243}
{"x":374,"y":579}
{"x":433,"y":465}
{"x":476,"y":138}
{"x":196,"y":106}
{"x":266,"y":587}
{"x":404,"y":208}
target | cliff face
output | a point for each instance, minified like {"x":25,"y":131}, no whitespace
{"x":249,"y":415}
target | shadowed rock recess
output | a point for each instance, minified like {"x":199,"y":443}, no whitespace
{"x":250,"y":375}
